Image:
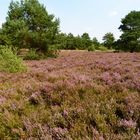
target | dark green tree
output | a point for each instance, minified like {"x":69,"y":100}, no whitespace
{"x":79,"y":43}
{"x":86,"y":40}
{"x":70,"y":44}
{"x":61,"y":40}
{"x":108,"y":40}
{"x":130,"y":38}
{"x":95,"y":42}
{"x":28,"y":24}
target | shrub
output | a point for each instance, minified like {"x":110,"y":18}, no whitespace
{"x":32,"y":55}
{"x":91,"y":48}
{"x":53,"y":51}
{"x":36,"y":55}
{"x":97,"y":47}
{"x":9,"y":62}
{"x":102,"y":48}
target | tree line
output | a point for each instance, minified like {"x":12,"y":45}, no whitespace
{"x":29,"y":25}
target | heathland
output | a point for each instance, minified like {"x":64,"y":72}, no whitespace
{"x":78,"y":95}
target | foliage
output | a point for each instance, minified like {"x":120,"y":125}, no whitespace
{"x":53,"y":51}
{"x":26,"y":28}
{"x":86,"y":40}
{"x":102,"y":48}
{"x":61,"y":39}
{"x":95,"y":42}
{"x":32,"y":55}
{"x":4,"y":39}
{"x":83,"y":42}
{"x":130,"y":39}
{"x":108,"y":40}
{"x":91,"y":48}
{"x":71,"y":42}
{"x":9,"y":62}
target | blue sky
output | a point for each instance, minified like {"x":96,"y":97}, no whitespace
{"x":96,"y":17}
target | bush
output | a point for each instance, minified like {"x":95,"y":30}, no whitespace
{"x":102,"y":48}
{"x":32,"y":55}
{"x":53,"y":51}
{"x":36,"y":55}
{"x":91,"y":48}
{"x":9,"y":62}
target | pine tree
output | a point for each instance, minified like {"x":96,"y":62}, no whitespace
{"x":28,"y":25}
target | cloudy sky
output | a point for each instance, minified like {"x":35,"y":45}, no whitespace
{"x":96,"y":17}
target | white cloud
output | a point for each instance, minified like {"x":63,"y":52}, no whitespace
{"x":113,"y":13}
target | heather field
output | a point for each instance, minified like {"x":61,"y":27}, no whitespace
{"x":78,"y":96}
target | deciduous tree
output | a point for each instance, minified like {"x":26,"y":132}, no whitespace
{"x":108,"y":40}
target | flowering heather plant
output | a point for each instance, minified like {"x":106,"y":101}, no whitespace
{"x":128,"y":123}
{"x":79,"y":95}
